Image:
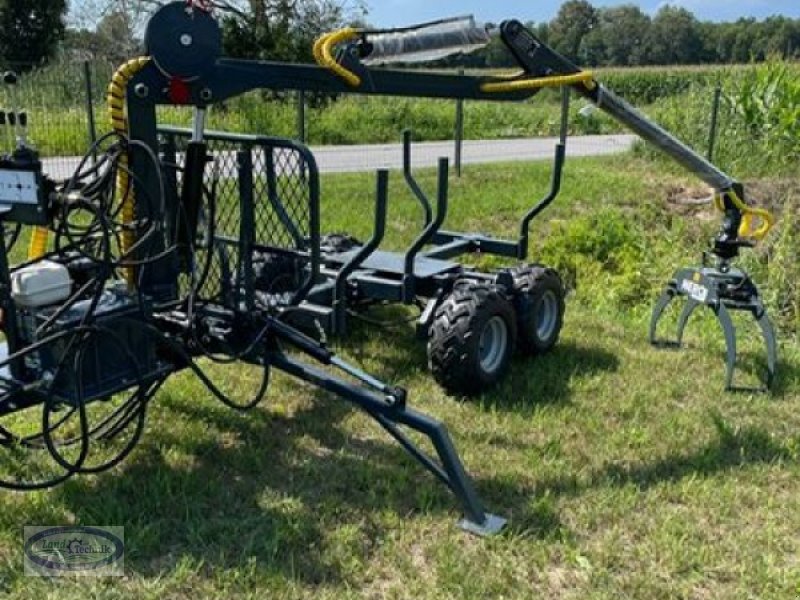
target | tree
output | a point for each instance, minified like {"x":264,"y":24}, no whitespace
{"x":574,"y":21}
{"x":266,"y":29}
{"x":30,"y":29}
{"x":674,"y":37}
{"x":116,"y":33}
{"x":617,"y":38}
{"x":103,"y":30}
{"x":781,"y":36}
{"x":283,"y":29}
{"x":744,"y":47}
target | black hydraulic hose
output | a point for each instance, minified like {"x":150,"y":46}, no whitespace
{"x":220,"y":395}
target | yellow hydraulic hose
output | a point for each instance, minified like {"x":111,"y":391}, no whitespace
{"x":116,"y":107}
{"x":38,"y":245}
{"x":115,"y":99}
{"x":584,"y":77}
{"x":323,"y":54}
{"x":749,"y":216}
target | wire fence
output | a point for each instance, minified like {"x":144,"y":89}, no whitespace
{"x":65,"y":103}
{"x":64,"y":106}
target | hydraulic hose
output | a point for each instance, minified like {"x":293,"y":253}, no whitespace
{"x":584,"y":77}
{"x":115,"y":98}
{"x":38,"y":245}
{"x":323,"y":54}
{"x":749,"y":216}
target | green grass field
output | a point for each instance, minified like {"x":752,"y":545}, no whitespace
{"x":624,"y":471}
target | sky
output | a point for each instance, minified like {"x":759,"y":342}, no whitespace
{"x":386,"y":13}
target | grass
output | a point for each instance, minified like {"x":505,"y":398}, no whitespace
{"x":625,"y":471}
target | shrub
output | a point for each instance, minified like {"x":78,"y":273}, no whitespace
{"x":600,"y":255}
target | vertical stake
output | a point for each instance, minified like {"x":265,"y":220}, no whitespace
{"x":459,"y":132}
{"x":301,"y":116}
{"x":87,"y":79}
{"x":712,"y":138}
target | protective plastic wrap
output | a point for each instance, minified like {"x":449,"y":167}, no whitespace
{"x":427,"y":43}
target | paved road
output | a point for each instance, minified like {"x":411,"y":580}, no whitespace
{"x":352,"y":159}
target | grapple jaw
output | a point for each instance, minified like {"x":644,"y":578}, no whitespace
{"x":723,"y":290}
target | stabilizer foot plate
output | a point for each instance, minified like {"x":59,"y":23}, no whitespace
{"x":491,"y":526}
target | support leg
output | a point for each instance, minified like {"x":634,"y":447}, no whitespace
{"x":450,"y":470}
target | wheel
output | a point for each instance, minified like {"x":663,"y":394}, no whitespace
{"x":335,"y":243}
{"x":276,"y":278}
{"x":472,"y":338}
{"x":539,"y":300}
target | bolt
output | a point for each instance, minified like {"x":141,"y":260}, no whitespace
{"x":141,"y":90}
{"x":186,"y":39}
{"x":205,"y":94}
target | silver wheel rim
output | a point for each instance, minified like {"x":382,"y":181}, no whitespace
{"x":547,"y":315}
{"x":493,"y":345}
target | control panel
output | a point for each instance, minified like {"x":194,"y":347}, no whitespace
{"x":24,"y":191}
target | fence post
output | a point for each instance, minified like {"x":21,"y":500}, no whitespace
{"x":459,"y":131}
{"x":301,"y":116}
{"x":87,"y":77}
{"x":712,"y":138}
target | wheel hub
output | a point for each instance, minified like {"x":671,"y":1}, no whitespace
{"x":547,"y":315}
{"x":493,"y":344}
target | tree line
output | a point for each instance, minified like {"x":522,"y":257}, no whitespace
{"x":33,"y":31}
{"x":623,"y":35}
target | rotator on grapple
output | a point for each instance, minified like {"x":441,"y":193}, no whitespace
{"x":185,"y":244}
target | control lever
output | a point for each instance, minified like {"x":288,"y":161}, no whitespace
{"x":12,"y":122}
{"x":10,"y":79}
{"x":23,"y":131}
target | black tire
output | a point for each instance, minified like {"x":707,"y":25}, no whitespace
{"x":335,"y":243}
{"x":539,"y":299}
{"x":276,"y":278}
{"x":456,"y":357}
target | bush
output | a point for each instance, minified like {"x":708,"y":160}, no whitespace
{"x":600,"y":255}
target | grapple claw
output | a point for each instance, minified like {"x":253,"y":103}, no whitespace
{"x":730,"y":343}
{"x":723,"y":290}
{"x":688,"y":309}
{"x":768,"y":332}
{"x":670,"y":293}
